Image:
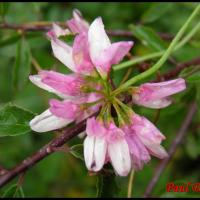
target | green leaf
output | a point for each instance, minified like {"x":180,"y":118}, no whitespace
{"x":22,"y":65}
{"x":10,"y":40}
{"x":14,"y":120}
{"x":155,"y":12}
{"x":106,"y":186}
{"x":194,"y":77}
{"x":148,"y":37}
{"x":77,"y":151}
{"x":192,"y":147}
{"x":13,"y":191}
{"x":4,"y":8}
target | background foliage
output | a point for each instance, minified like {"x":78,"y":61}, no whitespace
{"x":62,"y":174}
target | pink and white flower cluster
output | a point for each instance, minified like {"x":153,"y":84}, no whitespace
{"x":127,"y":146}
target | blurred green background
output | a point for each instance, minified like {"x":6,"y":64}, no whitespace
{"x":61,"y":174}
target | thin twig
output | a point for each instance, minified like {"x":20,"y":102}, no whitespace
{"x":48,"y":149}
{"x":175,"y":71}
{"x":69,"y":133}
{"x":130,"y":184}
{"x":46,"y":26}
{"x":176,"y":142}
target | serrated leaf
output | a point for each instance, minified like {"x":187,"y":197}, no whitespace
{"x":14,"y":120}
{"x":77,"y":151}
{"x":155,"y":12}
{"x":13,"y":191}
{"x":22,"y":64}
{"x":148,"y":37}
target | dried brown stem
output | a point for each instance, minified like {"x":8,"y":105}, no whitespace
{"x":176,"y":142}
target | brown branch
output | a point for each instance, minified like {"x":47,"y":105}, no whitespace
{"x":175,"y":71}
{"x":176,"y":142}
{"x":48,"y":149}
{"x":69,"y":133}
{"x":46,"y":26}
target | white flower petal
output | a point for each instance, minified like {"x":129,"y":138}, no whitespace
{"x":36,"y":79}
{"x":59,"y":31}
{"x":98,"y":39}
{"x":63,"y":52}
{"x":89,"y":151}
{"x":100,"y":149}
{"x":120,"y":157}
{"x":82,"y":135}
{"x":46,"y":121}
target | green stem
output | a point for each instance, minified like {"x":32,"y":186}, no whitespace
{"x":119,"y":116}
{"x":137,"y":60}
{"x":130,"y":184}
{"x":92,"y":103}
{"x":162,"y":60}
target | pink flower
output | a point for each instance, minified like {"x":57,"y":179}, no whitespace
{"x":83,"y":92}
{"x":91,"y":47}
{"x":144,"y":139}
{"x":155,"y":95}
{"x":77,"y":24}
{"x":104,"y":144}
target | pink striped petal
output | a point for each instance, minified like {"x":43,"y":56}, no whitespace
{"x":112,"y":55}
{"x":155,"y":95}
{"x":77,"y":24}
{"x":138,"y":151}
{"x":37,"y":80}
{"x":144,"y":128}
{"x":66,"y":84}
{"x":81,"y":54}
{"x":95,"y":128}
{"x":66,"y":109}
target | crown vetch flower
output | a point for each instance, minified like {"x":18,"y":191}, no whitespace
{"x":124,"y":139}
{"x":78,"y":58}
{"x":104,"y":144}
{"x":155,"y":95}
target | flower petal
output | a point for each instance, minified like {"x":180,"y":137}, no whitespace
{"x":68,"y":85}
{"x":46,"y":121}
{"x":77,"y":24}
{"x":57,"y":31}
{"x":37,"y":80}
{"x":81,"y":54}
{"x":112,"y":55}
{"x":139,"y":153}
{"x":100,"y":150}
{"x":95,"y":128}
{"x":157,"y":104}
{"x":120,"y":157}
{"x":142,"y":127}
{"x":98,"y":40}
{"x":154,"y":95}
{"x":63,"y":52}
{"x":155,"y":149}
{"x":66,"y":109}
{"x":89,"y":151}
